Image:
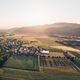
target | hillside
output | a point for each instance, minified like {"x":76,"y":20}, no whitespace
{"x":34,"y":30}
{"x":49,"y":29}
{"x":64,"y":28}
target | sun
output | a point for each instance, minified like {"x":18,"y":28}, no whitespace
{"x":38,"y":18}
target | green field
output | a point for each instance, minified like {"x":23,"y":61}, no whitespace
{"x":22,"y":62}
{"x":17,"y":74}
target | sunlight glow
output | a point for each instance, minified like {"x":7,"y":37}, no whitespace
{"x":38,"y":18}
{"x":18,"y":13}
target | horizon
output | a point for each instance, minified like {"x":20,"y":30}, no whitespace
{"x":38,"y":25}
{"x":20,"y":13}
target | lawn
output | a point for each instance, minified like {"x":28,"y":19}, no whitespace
{"x":22,"y":62}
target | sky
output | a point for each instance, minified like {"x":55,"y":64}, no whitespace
{"x":18,"y":13}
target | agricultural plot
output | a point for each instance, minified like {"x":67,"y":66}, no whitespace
{"x":22,"y":62}
{"x":17,"y":74}
{"x":49,"y":41}
{"x":56,"y":64}
{"x":77,"y":62}
{"x":66,"y":48}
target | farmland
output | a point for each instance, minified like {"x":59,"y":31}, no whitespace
{"x":16,"y":74}
{"x":56,"y":63}
{"x":24,"y":61}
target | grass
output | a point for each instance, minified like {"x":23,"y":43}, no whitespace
{"x":17,"y":74}
{"x":22,"y":62}
{"x":1,"y":71}
{"x":48,"y":41}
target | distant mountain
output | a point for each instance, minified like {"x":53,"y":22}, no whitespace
{"x":48,"y":29}
{"x":64,"y":28}
{"x":34,"y":30}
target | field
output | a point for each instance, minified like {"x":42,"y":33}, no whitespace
{"x":52,"y":67}
{"x":54,"y":64}
{"x":48,"y":41}
{"x":22,"y":62}
{"x":36,"y":40}
{"x":66,"y":48}
{"x":15,"y":74}
{"x":57,"y":54}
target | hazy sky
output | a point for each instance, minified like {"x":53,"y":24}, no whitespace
{"x":17,"y":13}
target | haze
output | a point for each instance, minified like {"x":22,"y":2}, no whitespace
{"x":18,"y":13}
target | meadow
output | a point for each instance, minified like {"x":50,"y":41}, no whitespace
{"x":22,"y":62}
{"x":17,"y":74}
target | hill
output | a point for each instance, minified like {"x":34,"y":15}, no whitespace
{"x":64,"y":28}
{"x":34,"y":30}
{"x":48,"y":29}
